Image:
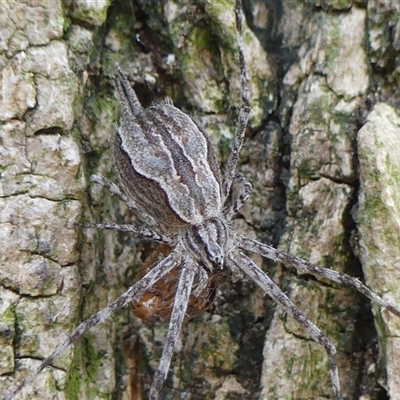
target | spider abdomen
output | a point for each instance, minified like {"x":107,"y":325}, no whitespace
{"x":166,"y":164}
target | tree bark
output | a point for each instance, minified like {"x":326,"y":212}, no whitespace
{"x":321,"y":151}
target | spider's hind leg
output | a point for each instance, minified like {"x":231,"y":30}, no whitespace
{"x":244,"y":109}
{"x":140,"y":230}
{"x":112,"y":188}
{"x":145,"y":231}
{"x":243,"y":197}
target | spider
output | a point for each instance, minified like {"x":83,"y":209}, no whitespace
{"x":174,"y":183}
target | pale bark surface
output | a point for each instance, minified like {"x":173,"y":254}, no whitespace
{"x":318,"y":72}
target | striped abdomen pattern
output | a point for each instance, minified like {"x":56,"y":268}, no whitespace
{"x":166,"y":164}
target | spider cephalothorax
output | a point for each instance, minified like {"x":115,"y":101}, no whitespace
{"x":169,"y":176}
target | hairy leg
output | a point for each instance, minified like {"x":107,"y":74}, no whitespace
{"x":244,"y":109}
{"x":134,"y":291}
{"x":303,"y":266}
{"x":261,"y":279}
{"x":140,"y":230}
{"x":114,"y":189}
{"x":243,"y":197}
{"x":178,"y":314}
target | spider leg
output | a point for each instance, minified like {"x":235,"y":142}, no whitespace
{"x":303,"y":266}
{"x":117,"y":191}
{"x":133,"y":292}
{"x":261,"y":279}
{"x":114,"y":189}
{"x":203,"y":279}
{"x":177,"y":317}
{"x":244,"y":109}
{"x":243,"y":197}
{"x":141,"y":230}
{"x":126,"y":95}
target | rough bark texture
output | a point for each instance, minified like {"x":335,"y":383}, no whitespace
{"x":318,"y":72}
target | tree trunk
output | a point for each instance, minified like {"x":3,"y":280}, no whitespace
{"x":321,"y":151}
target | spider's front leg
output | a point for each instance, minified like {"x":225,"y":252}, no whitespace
{"x":306,"y":267}
{"x":163,"y":268}
{"x":303,"y":266}
{"x":239,"y":260}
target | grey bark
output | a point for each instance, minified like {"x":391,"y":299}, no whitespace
{"x":324,"y":190}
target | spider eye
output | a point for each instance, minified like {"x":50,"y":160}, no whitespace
{"x":216,"y":255}
{"x":207,"y":241}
